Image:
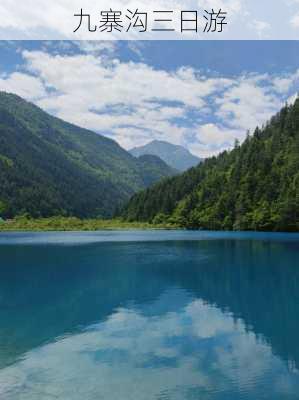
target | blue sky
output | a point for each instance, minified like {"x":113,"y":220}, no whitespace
{"x":200,"y":94}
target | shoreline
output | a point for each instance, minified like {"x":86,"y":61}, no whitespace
{"x":73,"y":224}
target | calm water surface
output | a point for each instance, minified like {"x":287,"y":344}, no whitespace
{"x":149,"y":316}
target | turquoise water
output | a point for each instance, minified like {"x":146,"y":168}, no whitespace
{"x":149,"y":315}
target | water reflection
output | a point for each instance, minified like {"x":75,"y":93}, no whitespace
{"x":179,"y":320}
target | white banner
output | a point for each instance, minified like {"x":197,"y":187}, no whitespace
{"x":144,"y":20}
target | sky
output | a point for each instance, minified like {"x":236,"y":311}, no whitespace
{"x":200,"y":94}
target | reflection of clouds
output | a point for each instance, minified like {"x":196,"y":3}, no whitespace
{"x":208,"y":321}
{"x":197,"y":350}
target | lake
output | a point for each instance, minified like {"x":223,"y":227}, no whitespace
{"x":149,"y":315}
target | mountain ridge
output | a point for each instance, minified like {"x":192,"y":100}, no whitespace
{"x":51,"y":167}
{"x":177,"y":157}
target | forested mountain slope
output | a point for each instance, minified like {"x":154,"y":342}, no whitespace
{"x":153,"y":169}
{"x":50,"y":167}
{"x":253,"y":187}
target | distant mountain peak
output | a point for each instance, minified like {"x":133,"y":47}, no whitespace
{"x":177,"y":157}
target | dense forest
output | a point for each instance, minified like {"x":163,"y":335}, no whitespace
{"x":49,"y":167}
{"x":255,"y":186}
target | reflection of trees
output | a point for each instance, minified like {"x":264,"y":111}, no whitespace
{"x":259,"y":283}
{"x":46,"y":292}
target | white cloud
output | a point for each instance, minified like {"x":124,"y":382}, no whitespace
{"x":292,"y":98}
{"x":96,"y":47}
{"x":24,"y":85}
{"x":231,"y":6}
{"x":295,"y":21}
{"x":282,"y":85}
{"x":260,"y":27}
{"x":135,"y":103}
{"x":213,"y":139}
{"x":248,"y":104}
{"x":88,"y":89}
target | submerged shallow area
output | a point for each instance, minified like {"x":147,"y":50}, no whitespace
{"x":149,"y":315}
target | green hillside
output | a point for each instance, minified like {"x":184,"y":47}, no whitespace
{"x":253,"y":187}
{"x":50,"y":167}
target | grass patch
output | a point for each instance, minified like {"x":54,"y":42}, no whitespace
{"x":75,"y":224}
